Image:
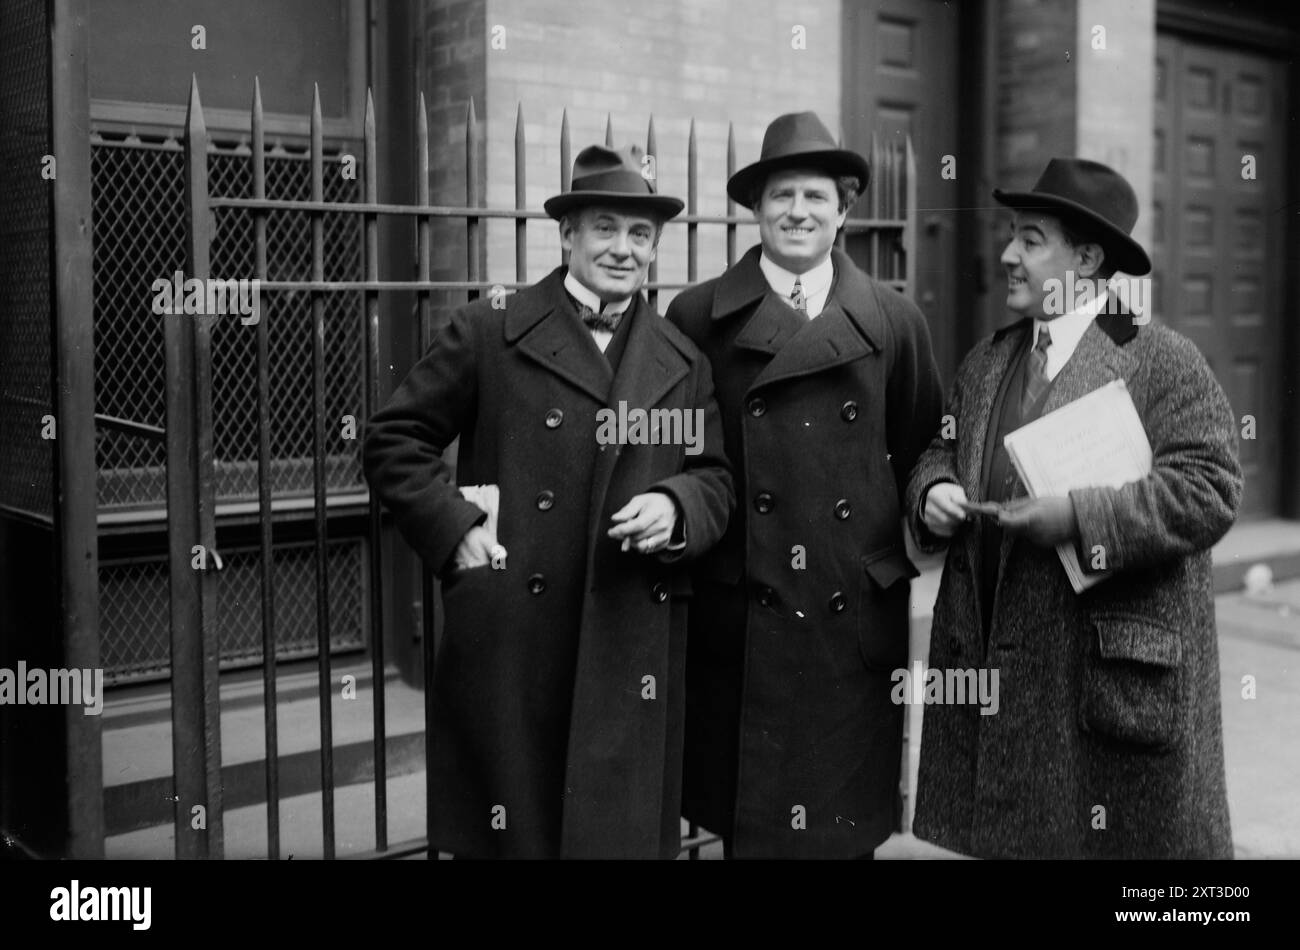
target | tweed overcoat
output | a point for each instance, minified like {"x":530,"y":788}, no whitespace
{"x":801,"y":614}
{"x":1107,"y":742}
{"x":558,"y":697}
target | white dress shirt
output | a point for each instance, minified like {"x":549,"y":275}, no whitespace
{"x":1066,"y":330}
{"x":590,"y":298}
{"x":815,"y":283}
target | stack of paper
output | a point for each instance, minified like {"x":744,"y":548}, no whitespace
{"x":1096,"y":441}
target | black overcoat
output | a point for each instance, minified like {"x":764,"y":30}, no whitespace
{"x":558,"y":694}
{"x":793,"y":742}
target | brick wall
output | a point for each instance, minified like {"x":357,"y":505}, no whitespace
{"x":452,"y":57}
{"x":715,"y":60}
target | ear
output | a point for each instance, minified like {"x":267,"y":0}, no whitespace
{"x":1090,"y":257}
{"x":567,"y":227}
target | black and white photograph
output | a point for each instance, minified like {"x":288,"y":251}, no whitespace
{"x":733,"y":431}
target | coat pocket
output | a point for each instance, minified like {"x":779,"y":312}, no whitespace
{"x":1132,"y":681}
{"x":883,"y":609}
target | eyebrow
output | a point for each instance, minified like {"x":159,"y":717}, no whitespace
{"x":1033,"y":227}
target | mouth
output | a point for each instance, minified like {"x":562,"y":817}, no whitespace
{"x":617,"y":271}
{"x":1016,"y":283}
{"x":797,"y":231}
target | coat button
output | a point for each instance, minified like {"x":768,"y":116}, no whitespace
{"x":838,"y":603}
{"x":545,"y":500}
{"x":843,"y":509}
{"x":849,"y":411}
{"x":764,"y":502}
{"x":757,"y":406}
{"x":536,"y":584}
{"x":554,"y":417}
{"x":660,"y":592}
{"x":766,"y":597}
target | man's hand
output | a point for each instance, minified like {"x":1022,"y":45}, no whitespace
{"x":645,"y":523}
{"x":1046,"y":522}
{"x":942,"y":507}
{"x":475,"y":548}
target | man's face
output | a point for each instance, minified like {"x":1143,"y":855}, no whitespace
{"x":1036,"y":253}
{"x":798,"y":216}
{"x":609,"y":250}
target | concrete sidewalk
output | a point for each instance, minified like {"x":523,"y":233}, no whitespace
{"x":1259,"y":636}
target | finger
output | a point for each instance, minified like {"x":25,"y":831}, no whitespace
{"x":655,"y":543}
{"x":636,"y":528}
{"x":630,"y":510}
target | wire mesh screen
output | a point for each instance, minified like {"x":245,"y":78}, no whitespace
{"x":26,"y":464}
{"x":134,"y":608}
{"x":139,"y":238}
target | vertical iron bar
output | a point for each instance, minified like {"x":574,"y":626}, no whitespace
{"x":423,"y":251}
{"x":873,"y":249}
{"x":731,"y":205}
{"x":473,"y":194}
{"x":270,"y":705}
{"x":196,"y":735}
{"x":908,"y":212}
{"x":318,"y":481}
{"x":73,"y":395}
{"x":692,"y":207}
{"x":609,"y":130}
{"x":650,"y":150}
{"x":370,"y":331}
{"x":566,"y":168}
{"x":521,"y":199}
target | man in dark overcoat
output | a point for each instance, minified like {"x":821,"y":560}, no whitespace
{"x":1107,"y":741}
{"x":558,"y":694}
{"x":829,"y":392}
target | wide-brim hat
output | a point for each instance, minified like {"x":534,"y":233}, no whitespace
{"x":606,"y":176}
{"x":1093,"y":196}
{"x":797,"y":140}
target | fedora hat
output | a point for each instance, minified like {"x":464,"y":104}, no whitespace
{"x":796,"y":140}
{"x":1093,"y":197}
{"x":607,"y":176}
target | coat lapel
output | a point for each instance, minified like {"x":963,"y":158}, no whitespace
{"x":651,"y":366}
{"x":1096,"y":361}
{"x":542,"y":320}
{"x":978,"y":405}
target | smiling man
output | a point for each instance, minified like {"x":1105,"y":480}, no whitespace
{"x":558,"y":697}
{"x":1107,"y":742}
{"x":828,"y":392}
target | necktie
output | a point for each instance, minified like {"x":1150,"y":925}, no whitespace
{"x":797,"y":299}
{"x":599,"y":321}
{"x":1036,"y":380}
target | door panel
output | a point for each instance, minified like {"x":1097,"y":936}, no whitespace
{"x":1217,"y":236}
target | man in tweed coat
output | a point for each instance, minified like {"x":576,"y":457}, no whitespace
{"x":1107,"y":742}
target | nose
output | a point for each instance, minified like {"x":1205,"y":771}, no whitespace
{"x":1009,"y":254}
{"x":798,"y":206}
{"x":619,"y":245}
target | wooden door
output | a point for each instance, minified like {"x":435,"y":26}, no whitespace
{"x":901,"y":78}
{"x":1217,"y":232}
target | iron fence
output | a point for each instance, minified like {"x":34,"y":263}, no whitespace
{"x":240,"y":228}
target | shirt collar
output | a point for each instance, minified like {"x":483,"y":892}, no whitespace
{"x":589,"y":298}
{"x":1069,"y":328}
{"x":811,"y":282}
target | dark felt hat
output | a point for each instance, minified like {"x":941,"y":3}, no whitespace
{"x":1092,"y":197}
{"x":605,"y":176}
{"x":796,"y":140}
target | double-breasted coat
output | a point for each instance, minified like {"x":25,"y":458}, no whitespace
{"x":558,"y":695}
{"x":793,"y":742}
{"x":1107,"y":741}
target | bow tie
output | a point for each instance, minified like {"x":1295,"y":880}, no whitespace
{"x":599,"y":321}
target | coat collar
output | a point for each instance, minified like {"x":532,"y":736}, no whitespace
{"x":849,"y":327}
{"x":1120,"y":326}
{"x":743,"y":284}
{"x":541,"y":321}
